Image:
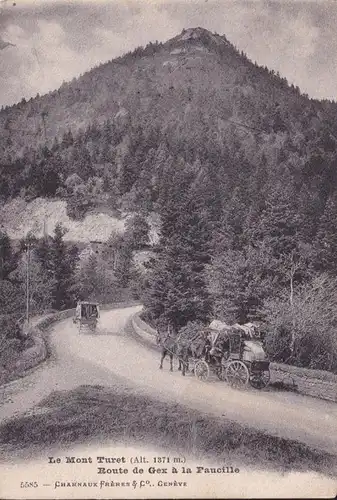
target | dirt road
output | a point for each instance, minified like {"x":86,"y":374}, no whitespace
{"x":110,"y":356}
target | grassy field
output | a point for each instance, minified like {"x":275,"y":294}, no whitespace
{"x":94,"y":414}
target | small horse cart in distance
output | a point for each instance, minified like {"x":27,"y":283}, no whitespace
{"x":86,"y":315}
{"x":243,"y":359}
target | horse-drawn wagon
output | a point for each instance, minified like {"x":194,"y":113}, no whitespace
{"x":86,"y":315}
{"x":233,"y":353}
{"x":237,"y":354}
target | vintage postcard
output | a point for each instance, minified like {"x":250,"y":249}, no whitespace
{"x":168,"y":249}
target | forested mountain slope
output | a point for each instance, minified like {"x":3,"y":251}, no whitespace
{"x":194,"y":98}
{"x":239,"y":165}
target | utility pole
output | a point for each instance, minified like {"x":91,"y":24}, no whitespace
{"x":27,"y":282}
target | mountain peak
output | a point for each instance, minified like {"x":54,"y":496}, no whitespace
{"x":197,"y":32}
{"x":200,"y":35}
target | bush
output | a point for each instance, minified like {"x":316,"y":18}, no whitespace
{"x":10,"y":337}
{"x":146,"y":317}
{"x":189,"y":333}
{"x":191,"y":329}
{"x":9,"y":326}
{"x":80,"y":196}
{"x":304,"y":333}
{"x":137,"y":232}
{"x":78,"y":205}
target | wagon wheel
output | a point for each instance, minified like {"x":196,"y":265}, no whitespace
{"x":260,"y":380}
{"x":201,"y":370}
{"x":237,"y":374}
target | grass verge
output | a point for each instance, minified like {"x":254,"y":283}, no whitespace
{"x":98,"y":414}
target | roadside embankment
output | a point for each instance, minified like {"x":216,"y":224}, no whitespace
{"x":315,"y":383}
{"x":19,"y":356}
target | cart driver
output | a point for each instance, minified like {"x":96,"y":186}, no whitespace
{"x":211,"y":350}
{"x":216,"y":352}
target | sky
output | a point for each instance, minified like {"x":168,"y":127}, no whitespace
{"x":56,"y":41}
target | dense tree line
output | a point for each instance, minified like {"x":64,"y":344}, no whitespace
{"x":59,"y":275}
{"x":51,"y":263}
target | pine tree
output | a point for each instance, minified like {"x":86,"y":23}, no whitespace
{"x":176,"y":290}
{"x":44,"y":253}
{"x":41,"y":283}
{"x":137,"y":231}
{"x":123,"y":270}
{"x":279,"y":224}
{"x":87,"y":279}
{"x":240,"y":281}
{"x":128,"y":174}
{"x":11,"y":300}
{"x":58,"y":262}
{"x":326,"y":240}
{"x":64,"y":261}
{"x":7,"y":256}
{"x":234,"y":218}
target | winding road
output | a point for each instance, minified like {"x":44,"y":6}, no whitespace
{"x":111,"y":356}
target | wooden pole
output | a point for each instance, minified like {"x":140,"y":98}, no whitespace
{"x":27,"y":284}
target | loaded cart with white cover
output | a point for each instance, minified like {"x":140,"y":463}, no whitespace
{"x":244,"y":360}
